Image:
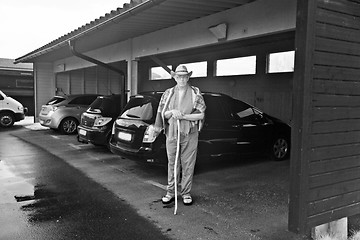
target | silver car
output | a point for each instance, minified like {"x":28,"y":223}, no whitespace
{"x":64,"y":112}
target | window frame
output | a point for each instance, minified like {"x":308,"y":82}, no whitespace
{"x":268,"y":63}
{"x":254,"y":56}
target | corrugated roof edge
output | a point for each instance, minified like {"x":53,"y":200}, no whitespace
{"x":126,"y":7}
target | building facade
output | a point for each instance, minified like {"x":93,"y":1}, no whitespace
{"x":17,"y":81}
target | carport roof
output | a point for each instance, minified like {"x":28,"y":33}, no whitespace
{"x":134,"y":19}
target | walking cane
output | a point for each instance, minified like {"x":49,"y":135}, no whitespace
{"x":176,"y":163}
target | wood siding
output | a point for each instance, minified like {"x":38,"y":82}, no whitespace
{"x":330,"y":165}
{"x":62,"y":84}
{"x":89,"y":80}
{"x":77,"y":82}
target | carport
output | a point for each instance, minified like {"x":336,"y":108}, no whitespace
{"x":319,"y":99}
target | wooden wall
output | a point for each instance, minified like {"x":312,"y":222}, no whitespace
{"x":325,"y":157}
{"x":96,"y":79}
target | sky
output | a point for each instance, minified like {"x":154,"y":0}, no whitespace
{"x":28,"y":25}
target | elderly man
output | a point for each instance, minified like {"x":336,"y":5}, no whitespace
{"x":185,"y":103}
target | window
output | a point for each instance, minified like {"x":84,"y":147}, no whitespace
{"x":109,"y":106}
{"x":138,"y":108}
{"x":281,"y":62}
{"x":55,"y":100}
{"x":199,"y":69}
{"x":83,"y":100}
{"x":236,"y":66}
{"x":158,"y":73}
{"x":243,"y":111}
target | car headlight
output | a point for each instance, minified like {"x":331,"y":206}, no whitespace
{"x":150,"y":134}
{"x":102,"y":121}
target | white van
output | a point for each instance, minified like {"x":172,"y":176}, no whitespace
{"x":11,"y":111}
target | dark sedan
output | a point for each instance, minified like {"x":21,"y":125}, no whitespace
{"x":231,"y":127}
{"x":97,"y":121}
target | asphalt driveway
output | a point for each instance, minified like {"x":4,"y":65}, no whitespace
{"x":233,"y":198}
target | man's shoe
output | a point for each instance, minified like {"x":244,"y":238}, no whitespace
{"x":167,"y":199}
{"x":187,"y":200}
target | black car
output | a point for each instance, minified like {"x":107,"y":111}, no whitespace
{"x":231,"y":127}
{"x":97,"y":121}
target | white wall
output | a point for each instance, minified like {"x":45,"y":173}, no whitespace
{"x":45,"y":81}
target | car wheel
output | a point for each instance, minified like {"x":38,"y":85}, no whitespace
{"x":6,"y":119}
{"x":68,"y":126}
{"x":280,"y":148}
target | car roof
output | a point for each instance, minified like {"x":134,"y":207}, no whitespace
{"x":76,"y":95}
{"x":159,"y":93}
{"x":110,"y":96}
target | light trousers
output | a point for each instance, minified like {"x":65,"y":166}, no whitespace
{"x":187,"y":160}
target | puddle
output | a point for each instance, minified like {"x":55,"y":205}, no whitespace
{"x":14,"y":188}
{"x":37,"y":202}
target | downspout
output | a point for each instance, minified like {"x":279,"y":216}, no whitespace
{"x":97,"y":62}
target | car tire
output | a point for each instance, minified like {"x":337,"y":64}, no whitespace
{"x":108,"y":138}
{"x":7,"y":119}
{"x":279,"y":148}
{"x":68,"y":126}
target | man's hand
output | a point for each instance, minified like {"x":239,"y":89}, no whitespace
{"x":176,"y":114}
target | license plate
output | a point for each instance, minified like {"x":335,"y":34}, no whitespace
{"x":124,"y":136}
{"x":82,"y":132}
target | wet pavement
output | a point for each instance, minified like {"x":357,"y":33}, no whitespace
{"x":69,"y":190}
{"x":43,"y":197}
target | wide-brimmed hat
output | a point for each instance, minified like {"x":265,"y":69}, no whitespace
{"x":181,"y":70}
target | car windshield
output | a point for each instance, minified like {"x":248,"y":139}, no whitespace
{"x":107,"y":106}
{"x":140,"y":108}
{"x":55,"y":100}
{"x":244,"y":111}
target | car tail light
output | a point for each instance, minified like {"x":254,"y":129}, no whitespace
{"x":150,"y":134}
{"x":101,"y":121}
{"x":113,"y":129}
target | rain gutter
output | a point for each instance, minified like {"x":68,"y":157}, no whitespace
{"x":117,"y":18}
